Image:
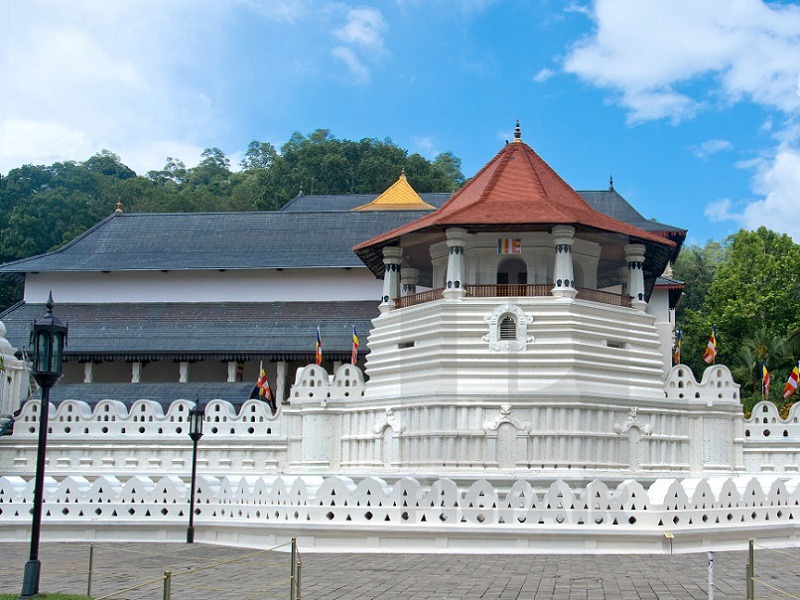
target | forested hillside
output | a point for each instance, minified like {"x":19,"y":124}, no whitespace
{"x":43,"y":207}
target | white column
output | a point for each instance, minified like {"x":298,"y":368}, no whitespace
{"x":456,"y":240}
{"x":184,"y":372}
{"x":408,"y":279}
{"x":231,"y":371}
{"x":392,"y":257}
{"x":280,"y":383}
{"x":136,"y":372}
{"x":563,"y":238}
{"x":88,"y":372}
{"x":634,"y":254}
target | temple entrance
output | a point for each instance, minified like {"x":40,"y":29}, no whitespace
{"x":512,"y":271}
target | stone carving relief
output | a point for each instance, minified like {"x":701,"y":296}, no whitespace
{"x":505,"y":416}
{"x":645,"y":428}
{"x":389,"y":419}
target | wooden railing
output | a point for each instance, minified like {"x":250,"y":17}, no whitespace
{"x":514,"y":290}
{"x":421,"y":298}
{"x":603,"y":297}
{"x":505,"y":290}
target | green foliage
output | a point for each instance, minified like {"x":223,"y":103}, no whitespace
{"x":748,"y":287}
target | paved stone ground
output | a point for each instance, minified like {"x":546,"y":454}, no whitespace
{"x":220,"y":572}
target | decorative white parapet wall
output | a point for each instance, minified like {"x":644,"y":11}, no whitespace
{"x":340,"y":513}
{"x":14,"y":379}
{"x":771,"y":443}
{"x":109,"y":438}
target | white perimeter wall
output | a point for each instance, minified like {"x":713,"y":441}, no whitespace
{"x":205,"y":286}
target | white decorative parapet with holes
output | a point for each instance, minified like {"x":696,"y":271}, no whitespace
{"x":772,"y":444}
{"x":371,"y":514}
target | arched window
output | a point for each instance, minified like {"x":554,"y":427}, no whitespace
{"x":508,"y":328}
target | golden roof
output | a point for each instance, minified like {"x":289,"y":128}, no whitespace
{"x":399,"y":196}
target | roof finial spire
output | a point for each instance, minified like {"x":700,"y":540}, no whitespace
{"x":403,"y":173}
{"x":517,"y":132}
{"x":118,"y":210}
{"x":610,"y":183}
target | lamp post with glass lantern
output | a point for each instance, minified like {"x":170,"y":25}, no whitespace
{"x":48,"y":338}
{"x":196,"y":418}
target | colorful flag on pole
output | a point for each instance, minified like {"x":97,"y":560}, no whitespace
{"x":509,"y":246}
{"x":354,"y":354}
{"x":676,"y":352}
{"x":264,"y":391}
{"x":764,"y":381}
{"x":710,"y":355}
{"x":318,"y":351}
{"x":791,"y":385}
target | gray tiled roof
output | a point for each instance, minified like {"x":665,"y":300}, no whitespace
{"x":310,"y":231}
{"x":164,"y":393}
{"x":347,"y":203}
{"x":609,"y":202}
{"x":185,"y":331}
{"x":234,"y":240}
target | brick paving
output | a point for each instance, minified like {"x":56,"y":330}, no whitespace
{"x":221,"y":572}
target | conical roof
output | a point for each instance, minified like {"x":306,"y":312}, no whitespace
{"x":399,"y":196}
{"x":515,"y":191}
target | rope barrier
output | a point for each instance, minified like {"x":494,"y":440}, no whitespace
{"x":109,"y":575}
{"x":135,"y":587}
{"x":795,"y":556}
{"x":773,"y":588}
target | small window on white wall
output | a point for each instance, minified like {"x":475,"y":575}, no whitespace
{"x":508,"y":329}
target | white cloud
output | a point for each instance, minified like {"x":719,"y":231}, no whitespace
{"x":647,"y":51}
{"x":365,"y":27}
{"x":362,"y":36}
{"x":720,"y":210}
{"x":543,"y":75}
{"x":117,"y":75}
{"x":777,"y":179}
{"x":779,"y":182}
{"x":711,"y":147}
{"x":349,"y":57}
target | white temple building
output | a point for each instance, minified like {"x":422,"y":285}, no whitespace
{"x":515,"y":392}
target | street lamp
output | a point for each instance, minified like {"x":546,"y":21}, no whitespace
{"x":196,"y":417}
{"x":48,"y":338}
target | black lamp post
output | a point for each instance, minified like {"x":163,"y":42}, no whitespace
{"x":196,"y":417}
{"x":48,"y":338}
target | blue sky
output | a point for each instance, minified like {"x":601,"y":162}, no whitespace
{"x":691,"y":106}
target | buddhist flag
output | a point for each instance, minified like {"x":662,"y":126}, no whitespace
{"x":710,"y":355}
{"x":764,"y":381}
{"x":791,"y":385}
{"x":264,"y":391}
{"x":676,"y":352}
{"x":318,"y":351}
{"x":509,"y":246}
{"x":354,"y":354}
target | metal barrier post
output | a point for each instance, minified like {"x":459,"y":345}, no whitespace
{"x":299,"y":568}
{"x":91,"y":562}
{"x":167,"y":584}
{"x":293,"y":571}
{"x":710,"y":576}
{"x":751,"y":572}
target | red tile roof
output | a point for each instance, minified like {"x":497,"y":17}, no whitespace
{"x":516,"y":189}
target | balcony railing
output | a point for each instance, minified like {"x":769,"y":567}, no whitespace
{"x":505,"y":290}
{"x":604,"y":297}
{"x":421,"y":298}
{"x":514,"y":290}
